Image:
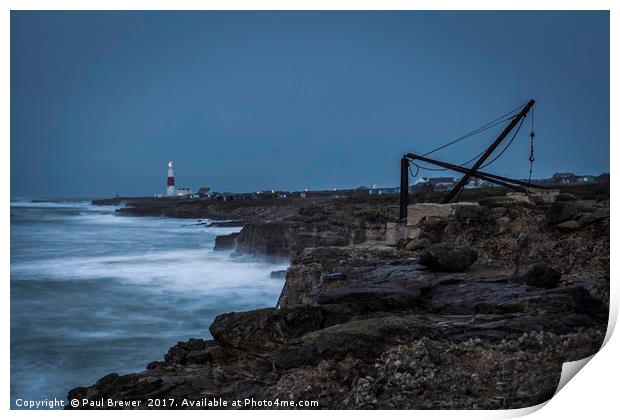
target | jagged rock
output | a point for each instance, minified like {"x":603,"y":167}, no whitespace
{"x":192,"y":351}
{"x":446,"y":257}
{"x":199,"y":357}
{"x":225,"y":242}
{"x":537,"y":274}
{"x":155,"y":365}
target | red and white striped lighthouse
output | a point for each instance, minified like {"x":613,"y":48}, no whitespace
{"x":171,"y":189}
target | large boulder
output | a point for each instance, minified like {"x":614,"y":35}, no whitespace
{"x":194,"y":351}
{"x":246,"y":330}
{"x":446,"y":257}
{"x":537,"y":274}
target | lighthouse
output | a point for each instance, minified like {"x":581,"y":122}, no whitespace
{"x":171,"y":189}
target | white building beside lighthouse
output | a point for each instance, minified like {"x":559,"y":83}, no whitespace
{"x":171,"y":189}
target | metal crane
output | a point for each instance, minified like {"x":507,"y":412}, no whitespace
{"x":516,"y":120}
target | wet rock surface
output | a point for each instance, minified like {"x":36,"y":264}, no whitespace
{"x":363,"y":325}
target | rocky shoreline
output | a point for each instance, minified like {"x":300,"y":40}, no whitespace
{"x":479,"y":310}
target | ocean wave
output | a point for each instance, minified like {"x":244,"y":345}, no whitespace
{"x":28,"y":203}
{"x":184,"y":270}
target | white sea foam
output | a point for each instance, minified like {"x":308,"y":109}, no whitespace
{"x":199,"y":270}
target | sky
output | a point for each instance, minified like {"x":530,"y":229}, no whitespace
{"x":246,"y":101}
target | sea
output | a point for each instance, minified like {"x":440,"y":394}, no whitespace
{"x":94,"y":293}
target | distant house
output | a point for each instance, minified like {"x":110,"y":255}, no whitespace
{"x":425,"y":184}
{"x":421,"y":184}
{"x":184,"y":191}
{"x":487,"y":184}
{"x":205,"y":192}
{"x":382,"y":191}
{"x":271,"y":194}
{"x":571,"y":178}
{"x":441,"y":183}
{"x":585,"y":178}
{"x":298,"y":194}
{"x":474,"y":183}
{"x":229,"y":196}
{"x":564,"y":178}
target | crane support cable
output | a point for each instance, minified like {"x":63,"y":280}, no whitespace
{"x":503,"y":118}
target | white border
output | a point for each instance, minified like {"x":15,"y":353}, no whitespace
{"x":593,"y":394}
